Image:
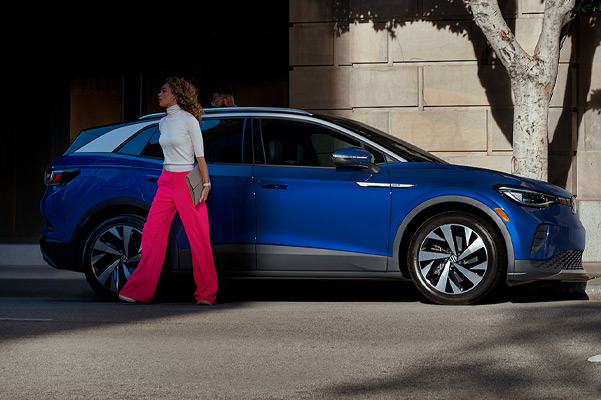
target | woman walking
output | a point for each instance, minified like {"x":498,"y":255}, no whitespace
{"x":180,"y":139}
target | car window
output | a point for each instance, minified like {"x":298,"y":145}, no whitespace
{"x":86,"y":136}
{"x":223,"y":140}
{"x":153,"y":148}
{"x":406,"y":150}
{"x":145,"y":143}
{"x":304,"y":144}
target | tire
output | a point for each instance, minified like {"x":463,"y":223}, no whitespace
{"x":112,"y":253}
{"x":456,"y":258}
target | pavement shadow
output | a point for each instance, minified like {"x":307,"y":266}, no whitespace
{"x":52,"y":284}
{"x":305,"y":290}
{"x":312,"y":290}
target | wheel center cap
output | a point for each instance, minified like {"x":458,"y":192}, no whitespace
{"x":124,"y":258}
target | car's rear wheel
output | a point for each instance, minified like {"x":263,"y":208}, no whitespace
{"x":456,"y":258}
{"x":112,"y":253}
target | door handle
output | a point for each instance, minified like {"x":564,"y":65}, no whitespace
{"x":151,"y":178}
{"x":273,"y":185}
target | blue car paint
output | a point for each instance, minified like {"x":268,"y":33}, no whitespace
{"x":565,"y":229}
{"x":232,"y":204}
{"x":102,"y":179}
{"x":326,"y":207}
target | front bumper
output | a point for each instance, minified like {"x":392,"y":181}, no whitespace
{"x":565,"y":266}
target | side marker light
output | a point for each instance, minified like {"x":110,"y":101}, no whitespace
{"x":502,"y":214}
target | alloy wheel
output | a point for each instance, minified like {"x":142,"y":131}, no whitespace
{"x":453,"y":259}
{"x":115,"y":254}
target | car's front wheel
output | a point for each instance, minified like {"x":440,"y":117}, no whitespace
{"x":112,"y":253}
{"x":456,"y":258}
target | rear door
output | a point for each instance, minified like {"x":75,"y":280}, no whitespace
{"x":231,"y":204}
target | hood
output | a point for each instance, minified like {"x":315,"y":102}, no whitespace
{"x":507,"y":179}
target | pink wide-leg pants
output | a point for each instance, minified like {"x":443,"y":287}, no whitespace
{"x":173,"y":195}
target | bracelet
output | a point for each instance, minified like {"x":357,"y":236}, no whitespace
{"x":208,"y":184}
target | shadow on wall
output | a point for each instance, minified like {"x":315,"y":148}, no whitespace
{"x":452,"y":16}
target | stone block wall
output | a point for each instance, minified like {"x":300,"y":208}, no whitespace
{"x":423,"y":71}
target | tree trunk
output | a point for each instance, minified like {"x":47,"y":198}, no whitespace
{"x":532,"y":78}
{"x":530,"y":129}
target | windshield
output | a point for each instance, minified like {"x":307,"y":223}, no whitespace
{"x":405,"y":150}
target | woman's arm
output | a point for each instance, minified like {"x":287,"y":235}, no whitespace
{"x":204,"y":173}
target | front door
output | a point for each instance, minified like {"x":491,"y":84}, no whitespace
{"x":312,"y":216}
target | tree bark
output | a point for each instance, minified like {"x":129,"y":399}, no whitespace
{"x":532,"y":78}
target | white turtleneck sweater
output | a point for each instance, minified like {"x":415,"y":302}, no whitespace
{"x":180,"y":139}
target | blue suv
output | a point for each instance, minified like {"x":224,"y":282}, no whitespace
{"x":301,"y":195}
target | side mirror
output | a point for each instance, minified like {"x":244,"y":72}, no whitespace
{"x":355,"y":157}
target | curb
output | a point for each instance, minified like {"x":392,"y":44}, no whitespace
{"x":21,"y":254}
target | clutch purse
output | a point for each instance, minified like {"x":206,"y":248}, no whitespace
{"x":194,"y":181}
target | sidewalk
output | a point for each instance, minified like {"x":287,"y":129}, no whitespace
{"x":593,"y":287}
{"x":21,"y":254}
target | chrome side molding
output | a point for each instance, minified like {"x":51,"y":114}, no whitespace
{"x":386,"y":185}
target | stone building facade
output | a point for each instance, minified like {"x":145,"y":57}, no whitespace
{"x":423,"y":71}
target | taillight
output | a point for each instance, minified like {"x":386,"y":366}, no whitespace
{"x":61,"y":176}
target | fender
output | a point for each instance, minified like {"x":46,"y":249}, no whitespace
{"x":103,"y":205}
{"x":394,"y":261}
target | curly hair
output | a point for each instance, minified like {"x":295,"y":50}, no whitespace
{"x":186,"y":95}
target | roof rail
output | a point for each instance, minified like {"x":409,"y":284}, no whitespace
{"x":150,"y":116}
{"x":234,"y":110}
{"x":256,"y":109}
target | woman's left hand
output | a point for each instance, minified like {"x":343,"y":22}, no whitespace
{"x":204,"y":195}
{"x":204,"y":173}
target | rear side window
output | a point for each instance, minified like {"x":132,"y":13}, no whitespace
{"x":223,"y":140}
{"x":144,"y":143}
{"x":153,"y":148}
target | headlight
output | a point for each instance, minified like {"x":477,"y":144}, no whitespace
{"x":531,"y":198}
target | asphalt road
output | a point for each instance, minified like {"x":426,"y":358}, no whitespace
{"x":292,"y":340}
